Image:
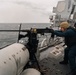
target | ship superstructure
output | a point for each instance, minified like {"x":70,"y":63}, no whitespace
{"x":19,"y":58}
{"x":64,"y":11}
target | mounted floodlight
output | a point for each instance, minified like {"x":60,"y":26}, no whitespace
{"x":61,"y":6}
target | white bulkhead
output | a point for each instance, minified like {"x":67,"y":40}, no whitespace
{"x":13,"y":58}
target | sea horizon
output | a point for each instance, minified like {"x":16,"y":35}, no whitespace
{"x":7,"y":38}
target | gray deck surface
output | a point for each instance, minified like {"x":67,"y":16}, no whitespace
{"x":49,"y":61}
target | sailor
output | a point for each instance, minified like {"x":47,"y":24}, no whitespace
{"x":69,"y":35}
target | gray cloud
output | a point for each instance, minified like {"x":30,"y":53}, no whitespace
{"x":35,"y":7}
{"x":24,"y":11}
{"x":38,"y":8}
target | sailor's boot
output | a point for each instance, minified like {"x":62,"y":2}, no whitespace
{"x":63,"y":62}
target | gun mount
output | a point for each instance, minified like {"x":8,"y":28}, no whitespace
{"x":32,"y":42}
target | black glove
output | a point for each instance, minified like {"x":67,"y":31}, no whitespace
{"x":51,"y":30}
{"x":21,"y":36}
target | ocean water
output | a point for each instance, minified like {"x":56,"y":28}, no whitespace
{"x":7,"y":38}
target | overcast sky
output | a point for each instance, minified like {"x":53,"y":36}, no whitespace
{"x":26,"y":11}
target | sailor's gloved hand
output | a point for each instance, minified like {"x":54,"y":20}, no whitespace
{"x":51,"y":30}
{"x":21,"y":36}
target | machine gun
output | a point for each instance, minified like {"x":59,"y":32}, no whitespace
{"x":32,"y":40}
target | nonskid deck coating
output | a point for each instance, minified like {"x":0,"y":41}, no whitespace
{"x":49,"y":63}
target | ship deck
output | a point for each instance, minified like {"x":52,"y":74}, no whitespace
{"x":49,"y":61}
